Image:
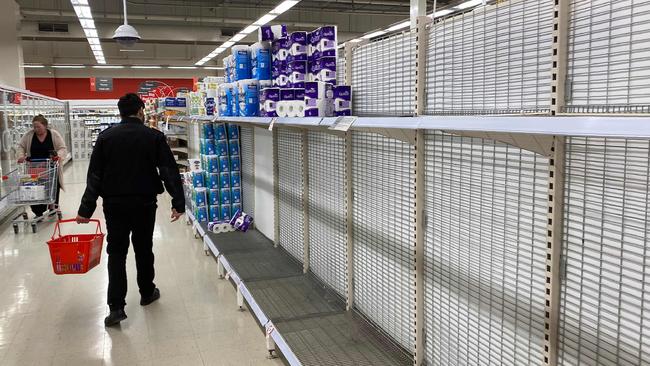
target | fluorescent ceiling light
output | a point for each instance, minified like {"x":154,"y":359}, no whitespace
{"x":228,"y":44}
{"x":213,"y":68}
{"x":93,"y":41}
{"x":182,"y":67}
{"x":284,"y":6}
{"x":91,"y":33}
{"x":83,"y":11}
{"x":87,"y":23}
{"x":96,"y":47}
{"x":68,"y":66}
{"x":248,"y":30}
{"x":399,"y":26}
{"x":265,"y":19}
{"x":33,"y":66}
{"x":146,"y":67}
{"x":79,"y":2}
{"x":108,"y":67}
{"x":238,"y":37}
{"x":469,"y":4}
{"x":374,"y":34}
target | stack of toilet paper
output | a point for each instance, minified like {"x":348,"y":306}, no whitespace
{"x":342,"y":100}
{"x":291,"y":104}
{"x":272,"y":32}
{"x":248,"y":97}
{"x":318,"y":99}
{"x":269,"y":98}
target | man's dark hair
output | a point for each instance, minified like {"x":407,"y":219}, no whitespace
{"x":129,"y":105}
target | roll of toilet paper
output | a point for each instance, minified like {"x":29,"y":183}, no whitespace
{"x":282,"y":108}
{"x":318,"y":90}
{"x":296,"y":108}
{"x":242,"y":59}
{"x":298,"y":50}
{"x":318,"y":107}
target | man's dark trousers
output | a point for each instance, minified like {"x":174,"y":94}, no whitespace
{"x":122,"y":220}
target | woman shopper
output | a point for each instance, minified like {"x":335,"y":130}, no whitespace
{"x":42,"y":143}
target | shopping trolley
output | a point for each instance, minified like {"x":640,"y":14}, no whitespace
{"x":33,"y":183}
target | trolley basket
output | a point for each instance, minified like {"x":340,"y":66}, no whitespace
{"x":75,"y":253}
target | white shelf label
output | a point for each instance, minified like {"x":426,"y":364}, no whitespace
{"x":273,"y":120}
{"x":343,"y":123}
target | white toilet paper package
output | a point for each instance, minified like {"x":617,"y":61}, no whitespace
{"x":318,"y":99}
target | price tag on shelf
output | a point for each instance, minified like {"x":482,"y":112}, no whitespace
{"x":270,"y":328}
{"x":273,"y":120}
{"x":343,"y":123}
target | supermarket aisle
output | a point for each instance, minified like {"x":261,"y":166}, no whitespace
{"x":58,"y":320}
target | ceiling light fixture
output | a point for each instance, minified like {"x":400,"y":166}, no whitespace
{"x":85,"y":16}
{"x":213,"y":68}
{"x":125,"y":34}
{"x":281,"y":8}
{"x":182,"y":67}
{"x":146,"y":67}
{"x":68,"y":66}
{"x":108,"y":67}
{"x":33,"y":66}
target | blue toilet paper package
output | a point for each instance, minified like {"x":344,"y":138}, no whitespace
{"x":235,"y":195}
{"x":235,"y":207}
{"x":214,"y":211}
{"x":241,"y":54}
{"x":261,"y":61}
{"x":224,"y":165}
{"x":213,"y":196}
{"x":200,"y":196}
{"x":225,"y":198}
{"x":224,"y":182}
{"x":198,"y":178}
{"x":208,"y":131}
{"x":201,"y":214}
{"x":235,"y":179}
{"x":220,"y":131}
{"x":233,"y":132}
{"x":222,"y":148}
{"x":209,"y":147}
{"x":212,"y":163}
{"x":225,"y":213}
{"x":249,"y":98}
{"x":234,"y":146}
{"x":213,"y":180}
{"x":235,"y":163}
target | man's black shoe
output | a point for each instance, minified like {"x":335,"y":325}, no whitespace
{"x":148,"y":300}
{"x":115,"y":317}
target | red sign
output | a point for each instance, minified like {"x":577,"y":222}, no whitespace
{"x":93,"y":84}
{"x":15,"y":98}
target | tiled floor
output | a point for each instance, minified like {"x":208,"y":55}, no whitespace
{"x":58,"y":320}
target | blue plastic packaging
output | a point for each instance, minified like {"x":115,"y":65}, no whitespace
{"x":260,"y":61}
{"x":201,"y":214}
{"x":249,"y":98}
{"x":225,"y":213}
{"x":213,"y":196}
{"x":233,"y":132}
{"x":235,"y":207}
{"x":200,"y":197}
{"x":214,"y":211}
{"x":224,"y":182}
{"x":241,"y":54}
{"x":220,"y":131}
{"x":212,"y":163}
{"x":222,"y":148}
{"x":225,"y":198}
{"x":235,"y":179}
{"x":224,"y":165}
{"x":208,"y":131}
{"x":234,"y":146}
{"x":235,"y":163}
{"x":235,"y":195}
{"x":209,"y":147}
{"x":213,"y":180}
{"x":198,"y":178}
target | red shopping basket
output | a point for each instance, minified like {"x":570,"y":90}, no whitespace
{"x":75,"y":253}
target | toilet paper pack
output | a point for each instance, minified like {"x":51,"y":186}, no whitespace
{"x":327,"y":42}
{"x":318,"y":99}
{"x":224,"y":181}
{"x":222,"y":148}
{"x":235,"y":163}
{"x":212,"y":163}
{"x":235,"y":195}
{"x":248,"y":98}
{"x":198,"y":178}
{"x":298,"y":71}
{"x":213,"y":196}
{"x":224,"y":164}
{"x":213,"y":212}
{"x":200,"y":196}
{"x":242,"y":59}
{"x":233,"y":131}
{"x":225,"y":196}
{"x":234,"y":147}
{"x":269,"y":99}
{"x":207,"y":131}
{"x":325,"y":70}
{"x":261,"y":61}
{"x":213,"y":180}
{"x":298,"y":50}
{"x":226,"y":95}
{"x":280,"y":49}
{"x":220,"y":131}
{"x":280,"y":73}
{"x":319,"y":90}
{"x":342,"y":100}
{"x":235,"y":179}
{"x":272,"y":32}
{"x":225,"y":213}
{"x":318,"y":108}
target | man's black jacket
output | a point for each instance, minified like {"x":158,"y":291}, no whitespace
{"x":127,"y":165}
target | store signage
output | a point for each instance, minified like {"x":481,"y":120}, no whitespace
{"x":101,"y":84}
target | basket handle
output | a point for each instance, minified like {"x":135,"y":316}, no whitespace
{"x":57,"y":229}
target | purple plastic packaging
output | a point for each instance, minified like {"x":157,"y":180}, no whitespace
{"x":241,"y":221}
{"x":327,"y":41}
{"x":298,"y":73}
{"x":326,"y":70}
{"x":268,"y":102}
{"x":272,"y":32}
{"x":299,"y":93}
{"x":280,"y":49}
{"x":287,"y":94}
{"x":298,"y":50}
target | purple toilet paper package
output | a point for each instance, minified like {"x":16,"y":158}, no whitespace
{"x":269,"y":99}
{"x":298,"y":50}
{"x":240,"y":220}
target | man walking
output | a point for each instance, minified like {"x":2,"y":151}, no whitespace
{"x":126,"y":168}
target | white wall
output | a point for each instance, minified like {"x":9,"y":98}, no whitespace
{"x":264,"y":208}
{"x":11,"y":51}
